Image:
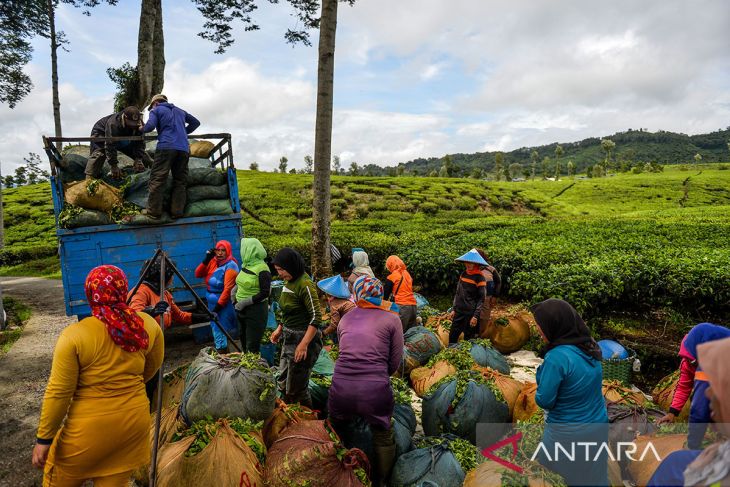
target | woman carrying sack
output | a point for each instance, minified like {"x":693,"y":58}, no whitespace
{"x":95,"y":421}
{"x":301,"y":315}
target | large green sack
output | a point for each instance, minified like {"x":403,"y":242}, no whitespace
{"x":208,"y":208}
{"x":88,"y":218}
{"x":206,"y":176}
{"x":199,"y":162}
{"x":137,"y":190}
{"x":73,"y":167}
{"x":200,"y":193}
{"x":221,"y":386}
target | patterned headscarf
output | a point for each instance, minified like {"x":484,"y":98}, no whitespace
{"x":106,"y":292}
{"x":369,"y":294}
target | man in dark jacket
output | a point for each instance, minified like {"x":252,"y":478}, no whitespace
{"x":173,"y":151}
{"x":126,"y":123}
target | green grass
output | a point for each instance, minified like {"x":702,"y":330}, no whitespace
{"x":649,"y":239}
{"x":18,"y":314}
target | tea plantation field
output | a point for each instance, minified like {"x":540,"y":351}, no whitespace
{"x":651,"y":240}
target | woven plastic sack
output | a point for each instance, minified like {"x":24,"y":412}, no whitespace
{"x":198,"y":163}
{"x":478,"y":404}
{"x":206,"y":176}
{"x":308,"y":453}
{"x":404,"y":427}
{"x":215,"y":388}
{"x":633,"y":419}
{"x":420,"y":344}
{"x":208,"y":208}
{"x":284,"y":416}
{"x":92,"y":195}
{"x":436,"y":464}
{"x":201,"y":148}
{"x":227,"y":460}
{"x":73,"y":167}
{"x":487,"y":357}
{"x":88,"y":218}
{"x":137,"y":190}
{"x":200,"y":193}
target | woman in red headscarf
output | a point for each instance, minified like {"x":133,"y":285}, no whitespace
{"x":95,"y":417}
{"x":220,"y":270}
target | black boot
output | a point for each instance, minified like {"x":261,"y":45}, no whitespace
{"x":384,"y":450}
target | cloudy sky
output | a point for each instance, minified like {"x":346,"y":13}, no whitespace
{"x":413,"y":78}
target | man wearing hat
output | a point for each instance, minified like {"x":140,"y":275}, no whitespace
{"x":126,"y":123}
{"x":173,"y":151}
{"x":469,"y":297}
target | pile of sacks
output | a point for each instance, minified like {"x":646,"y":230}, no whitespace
{"x":105,"y":201}
{"x":221,"y":424}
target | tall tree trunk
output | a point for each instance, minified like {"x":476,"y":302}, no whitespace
{"x":146,"y":50}
{"x":321,"y":257}
{"x":2,"y":244}
{"x":158,"y":53}
{"x":54,"y":71}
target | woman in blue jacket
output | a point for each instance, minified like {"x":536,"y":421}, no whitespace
{"x":569,"y":390}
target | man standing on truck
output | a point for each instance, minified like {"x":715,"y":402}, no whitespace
{"x":126,"y":123}
{"x":173,"y":151}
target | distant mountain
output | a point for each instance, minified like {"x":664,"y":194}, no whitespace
{"x":632,"y":146}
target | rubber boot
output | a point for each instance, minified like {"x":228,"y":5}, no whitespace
{"x":384,"y":450}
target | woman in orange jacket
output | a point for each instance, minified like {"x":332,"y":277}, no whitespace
{"x":399,"y":289}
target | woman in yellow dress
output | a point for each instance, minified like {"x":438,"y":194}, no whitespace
{"x":100,"y":366}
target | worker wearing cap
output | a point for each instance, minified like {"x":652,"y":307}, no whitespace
{"x":469,"y":297}
{"x":126,"y":123}
{"x":339,"y":300}
{"x":173,"y":151}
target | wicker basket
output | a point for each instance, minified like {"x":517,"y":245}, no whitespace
{"x":619,"y":369}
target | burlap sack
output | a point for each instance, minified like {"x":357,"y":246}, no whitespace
{"x":227,"y":460}
{"x":173,"y":386}
{"x":614,"y":391}
{"x":423,"y":378}
{"x":641,"y":471}
{"x":525,"y":406}
{"x":509,"y":387}
{"x":92,"y":195}
{"x":663,"y":393}
{"x":284,"y":416}
{"x":508,"y":333}
{"x":201,"y":148}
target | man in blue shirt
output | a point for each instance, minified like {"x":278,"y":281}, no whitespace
{"x":173,"y":151}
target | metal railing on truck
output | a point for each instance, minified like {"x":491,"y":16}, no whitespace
{"x":221,"y":154}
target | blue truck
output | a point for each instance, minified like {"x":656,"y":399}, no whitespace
{"x":127,"y":246}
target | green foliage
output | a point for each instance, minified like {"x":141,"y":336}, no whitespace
{"x":401,"y":391}
{"x":126,"y":78}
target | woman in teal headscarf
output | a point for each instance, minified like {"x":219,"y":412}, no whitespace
{"x":253,"y":286}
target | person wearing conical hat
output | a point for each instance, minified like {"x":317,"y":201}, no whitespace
{"x":469,"y":297}
{"x":339,"y":300}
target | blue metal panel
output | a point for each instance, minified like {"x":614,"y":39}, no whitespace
{"x":127,"y":247}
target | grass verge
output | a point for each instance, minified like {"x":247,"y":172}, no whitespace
{"x":17,"y":315}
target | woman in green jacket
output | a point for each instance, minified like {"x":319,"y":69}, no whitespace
{"x":300,"y":327}
{"x":250,"y":296}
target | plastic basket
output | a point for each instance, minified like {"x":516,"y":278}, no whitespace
{"x":619,"y":369}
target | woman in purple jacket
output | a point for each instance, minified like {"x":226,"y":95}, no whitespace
{"x":371,"y":349}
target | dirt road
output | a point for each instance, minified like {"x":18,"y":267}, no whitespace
{"x":24,"y":371}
